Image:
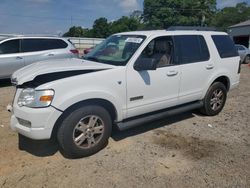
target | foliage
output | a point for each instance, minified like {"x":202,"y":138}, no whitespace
{"x":102,"y":28}
{"x":229,"y":16}
{"x":160,"y":14}
{"x":165,"y":13}
{"x":75,"y":31}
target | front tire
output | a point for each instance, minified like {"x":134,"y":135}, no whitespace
{"x":215,"y":99}
{"x":85,"y":131}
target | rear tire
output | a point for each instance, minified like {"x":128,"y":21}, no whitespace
{"x":85,"y":131}
{"x":214,"y":100}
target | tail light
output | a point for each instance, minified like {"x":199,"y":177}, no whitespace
{"x":239,"y":69}
{"x":74,"y":51}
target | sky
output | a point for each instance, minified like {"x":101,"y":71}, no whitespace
{"x":57,"y":16}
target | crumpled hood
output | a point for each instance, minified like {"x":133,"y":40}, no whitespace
{"x":29,"y":72}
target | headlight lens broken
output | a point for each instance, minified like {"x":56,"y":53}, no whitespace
{"x":32,"y":98}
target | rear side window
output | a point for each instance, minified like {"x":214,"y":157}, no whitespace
{"x":225,"y":46}
{"x":33,"y":45}
{"x":240,"y":47}
{"x":191,"y":48}
{"x":10,"y":47}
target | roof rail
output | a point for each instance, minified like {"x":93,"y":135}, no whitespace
{"x":191,"y":28}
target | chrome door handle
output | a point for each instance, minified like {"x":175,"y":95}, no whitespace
{"x":208,"y":67}
{"x":19,"y":58}
{"x":172,"y":73}
{"x":51,"y":54}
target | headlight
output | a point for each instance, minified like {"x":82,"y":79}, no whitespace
{"x":35,"y":98}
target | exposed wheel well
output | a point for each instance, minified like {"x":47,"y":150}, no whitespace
{"x":224,"y":80}
{"x":104,"y":103}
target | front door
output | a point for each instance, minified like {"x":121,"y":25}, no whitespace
{"x":153,"y":90}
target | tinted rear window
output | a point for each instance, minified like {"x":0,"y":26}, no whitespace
{"x":225,"y":46}
{"x":32,"y":45}
{"x":191,"y":48}
{"x":10,"y":47}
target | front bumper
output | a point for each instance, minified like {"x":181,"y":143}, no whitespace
{"x":41,"y":121}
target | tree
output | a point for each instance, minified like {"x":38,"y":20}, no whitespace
{"x":125,"y":24}
{"x":231,"y":15}
{"x":137,"y":14}
{"x":101,"y":28}
{"x":75,"y":31}
{"x":165,"y":13}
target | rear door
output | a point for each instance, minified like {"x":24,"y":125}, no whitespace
{"x":195,"y":65}
{"x":10,"y":58}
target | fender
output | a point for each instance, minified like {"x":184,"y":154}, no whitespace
{"x":72,"y":98}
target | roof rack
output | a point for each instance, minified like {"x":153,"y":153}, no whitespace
{"x":191,"y":28}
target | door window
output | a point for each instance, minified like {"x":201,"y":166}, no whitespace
{"x":10,"y":47}
{"x":161,"y":50}
{"x":191,"y":48}
{"x":34,"y":45}
{"x":241,"y":48}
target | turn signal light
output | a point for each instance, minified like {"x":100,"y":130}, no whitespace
{"x":46,"y":98}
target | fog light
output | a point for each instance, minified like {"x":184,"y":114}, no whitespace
{"x":24,"y":123}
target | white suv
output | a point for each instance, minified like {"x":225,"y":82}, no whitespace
{"x":129,"y":79}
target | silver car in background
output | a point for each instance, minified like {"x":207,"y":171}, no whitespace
{"x":244,"y":53}
{"x":17,"y":52}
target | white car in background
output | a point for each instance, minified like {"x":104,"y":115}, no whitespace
{"x":244,"y":53}
{"x":17,"y":52}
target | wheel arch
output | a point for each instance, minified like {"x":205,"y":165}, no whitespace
{"x":109,"y":106}
{"x":223,"y":79}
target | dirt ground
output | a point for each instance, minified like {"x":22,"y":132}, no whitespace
{"x":187,"y":150}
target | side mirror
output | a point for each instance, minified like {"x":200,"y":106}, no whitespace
{"x":142,"y":64}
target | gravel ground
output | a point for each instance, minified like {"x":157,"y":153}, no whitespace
{"x":187,"y":150}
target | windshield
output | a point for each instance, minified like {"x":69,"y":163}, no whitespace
{"x":116,"y":50}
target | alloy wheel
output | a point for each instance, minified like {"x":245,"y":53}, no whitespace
{"x":88,"y":131}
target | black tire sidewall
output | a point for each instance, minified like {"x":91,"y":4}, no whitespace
{"x":207,"y":107}
{"x":65,"y":132}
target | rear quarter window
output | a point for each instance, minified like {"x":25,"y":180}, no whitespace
{"x":225,"y":46}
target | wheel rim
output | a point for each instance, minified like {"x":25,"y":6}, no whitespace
{"x":88,"y":131}
{"x":217,"y":99}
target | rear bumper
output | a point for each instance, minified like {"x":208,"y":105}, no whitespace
{"x":234,"y":85}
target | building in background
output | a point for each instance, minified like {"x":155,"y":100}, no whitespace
{"x":241,"y":33}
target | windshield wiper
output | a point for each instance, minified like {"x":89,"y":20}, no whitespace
{"x":92,"y":58}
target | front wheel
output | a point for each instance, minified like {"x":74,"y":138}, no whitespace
{"x":215,"y":99}
{"x":85,"y":131}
